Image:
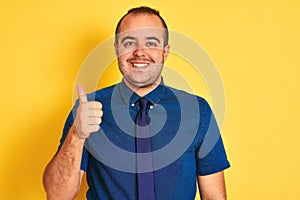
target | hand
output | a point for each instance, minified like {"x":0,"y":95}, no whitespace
{"x":89,"y":114}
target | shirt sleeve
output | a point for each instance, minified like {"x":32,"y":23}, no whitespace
{"x":210,"y":153}
{"x":67,"y":126}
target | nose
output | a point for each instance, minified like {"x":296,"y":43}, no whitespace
{"x":139,"y":51}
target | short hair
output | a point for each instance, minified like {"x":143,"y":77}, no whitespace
{"x":146,"y":11}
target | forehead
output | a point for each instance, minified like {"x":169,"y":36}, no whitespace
{"x":142,"y":34}
{"x":141,"y":26}
{"x":139,"y":21}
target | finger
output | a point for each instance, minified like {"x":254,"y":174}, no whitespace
{"x":98,"y":105}
{"x":94,"y":128}
{"x":95,"y":121}
{"x":95,"y":105}
{"x":81,"y":94}
{"x":91,"y":129}
{"x":98,"y":113}
{"x":84,"y":111}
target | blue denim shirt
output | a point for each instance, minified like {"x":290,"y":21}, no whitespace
{"x":186,"y":143}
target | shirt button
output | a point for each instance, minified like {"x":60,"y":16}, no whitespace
{"x":132,"y":104}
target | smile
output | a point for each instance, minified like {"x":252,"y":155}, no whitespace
{"x":140,"y":64}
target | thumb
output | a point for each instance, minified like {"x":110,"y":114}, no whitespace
{"x":81,"y":94}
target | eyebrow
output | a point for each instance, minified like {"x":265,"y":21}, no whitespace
{"x":153,"y":38}
{"x":133,"y":38}
{"x":128,"y":38}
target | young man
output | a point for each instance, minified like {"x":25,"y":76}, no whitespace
{"x":141,"y":47}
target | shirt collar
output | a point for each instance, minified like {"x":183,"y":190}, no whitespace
{"x":129,"y":97}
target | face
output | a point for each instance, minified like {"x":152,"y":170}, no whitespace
{"x":140,"y":50}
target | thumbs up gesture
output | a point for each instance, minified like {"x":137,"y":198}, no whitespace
{"x":88,"y":116}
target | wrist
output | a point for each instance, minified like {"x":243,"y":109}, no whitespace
{"x":76,"y":134}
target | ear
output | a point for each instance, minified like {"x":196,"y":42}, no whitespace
{"x":166,"y":52}
{"x":116,"y":49}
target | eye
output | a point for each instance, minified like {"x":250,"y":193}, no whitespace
{"x":151,"y":44}
{"x":129,"y":43}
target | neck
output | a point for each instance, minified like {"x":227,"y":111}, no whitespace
{"x":143,"y":90}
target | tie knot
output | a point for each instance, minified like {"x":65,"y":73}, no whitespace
{"x":143,"y":104}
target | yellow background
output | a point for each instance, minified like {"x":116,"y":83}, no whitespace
{"x":254,"y":44}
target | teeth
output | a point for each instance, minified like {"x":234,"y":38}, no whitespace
{"x":140,"y":64}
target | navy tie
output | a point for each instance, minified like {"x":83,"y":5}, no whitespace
{"x":145,"y":176}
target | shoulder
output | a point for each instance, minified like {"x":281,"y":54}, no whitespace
{"x":182,"y":95}
{"x":102,"y":94}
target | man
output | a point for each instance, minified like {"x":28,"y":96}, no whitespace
{"x":141,"y":47}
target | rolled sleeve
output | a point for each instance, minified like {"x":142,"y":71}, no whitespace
{"x":210,"y":154}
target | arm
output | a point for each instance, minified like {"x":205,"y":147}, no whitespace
{"x":212,"y":187}
{"x":62,"y":177}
